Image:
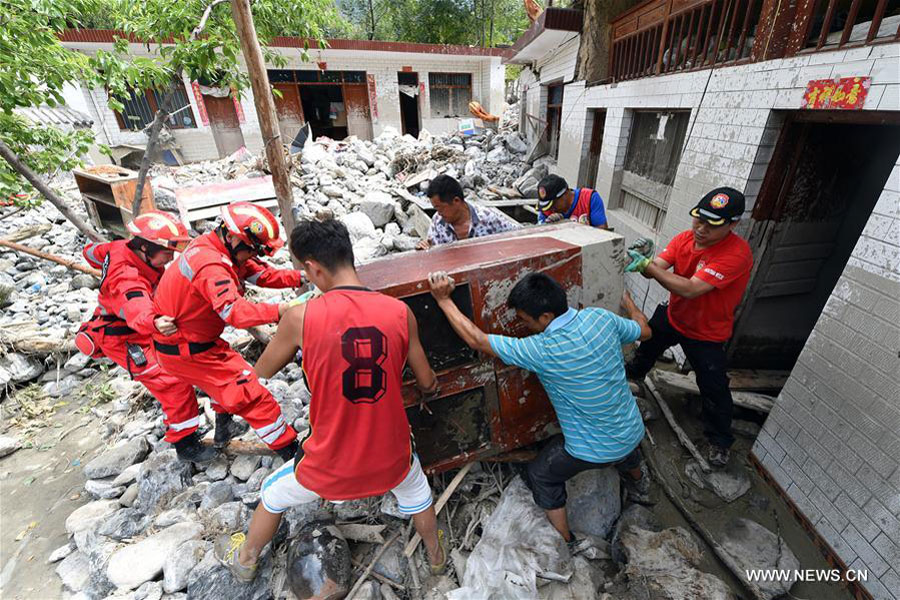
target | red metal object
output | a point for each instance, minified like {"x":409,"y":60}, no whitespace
{"x":847,"y":93}
{"x":201,"y":104}
{"x":484,"y":407}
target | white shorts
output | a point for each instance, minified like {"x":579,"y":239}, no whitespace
{"x":281,"y":490}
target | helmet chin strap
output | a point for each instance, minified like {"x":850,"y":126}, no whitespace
{"x":233,"y":250}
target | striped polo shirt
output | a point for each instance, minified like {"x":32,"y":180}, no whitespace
{"x":578,"y":359}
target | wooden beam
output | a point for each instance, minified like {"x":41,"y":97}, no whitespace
{"x":265,"y":112}
{"x":442,"y":501}
{"x":688,"y":384}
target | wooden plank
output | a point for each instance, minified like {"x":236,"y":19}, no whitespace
{"x":876,"y":20}
{"x":851,"y":21}
{"x":439,"y":505}
{"x":679,"y":432}
{"x":826,"y":24}
{"x":688,"y":384}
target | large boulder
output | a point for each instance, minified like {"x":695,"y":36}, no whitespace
{"x":318,"y":563}
{"x":594,"y":502}
{"x":21,"y":368}
{"x":666,"y":562}
{"x":752,"y":546}
{"x":134,"y":564}
{"x":8,"y":445}
{"x":359,"y":225}
{"x":125,"y":523}
{"x":117,"y":459}
{"x":91,"y":515}
{"x":211,"y":579}
{"x":162,"y":476}
{"x":379,"y":207}
{"x":728,"y":484}
{"x":75,"y":571}
{"x":178,"y":565}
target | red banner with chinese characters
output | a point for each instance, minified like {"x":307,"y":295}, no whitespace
{"x":201,"y":105}
{"x":847,"y":93}
{"x":237,"y":106}
{"x":373,"y":101}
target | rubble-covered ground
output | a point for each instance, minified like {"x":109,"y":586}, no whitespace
{"x":96,"y":505}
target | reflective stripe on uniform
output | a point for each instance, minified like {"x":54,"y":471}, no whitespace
{"x":226,"y":311}
{"x":270,"y":433}
{"x":253,"y":278}
{"x":89,"y":251}
{"x":185,"y":268}
{"x":194,"y":422}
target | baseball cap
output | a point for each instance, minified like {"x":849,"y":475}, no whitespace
{"x":550,"y":188}
{"x":720,"y":206}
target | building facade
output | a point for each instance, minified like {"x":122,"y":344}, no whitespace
{"x":809,"y":130}
{"x":353,"y":87}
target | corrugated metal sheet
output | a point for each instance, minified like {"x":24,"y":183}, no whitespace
{"x":60,"y":115}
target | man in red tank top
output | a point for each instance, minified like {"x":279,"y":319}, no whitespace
{"x":355,"y":344}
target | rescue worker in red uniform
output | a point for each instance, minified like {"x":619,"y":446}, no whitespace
{"x":125,"y":319}
{"x":204,"y":291}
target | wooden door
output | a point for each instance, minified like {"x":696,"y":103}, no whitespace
{"x":289,"y":110}
{"x":359,"y":117}
{"x":225,"y":125}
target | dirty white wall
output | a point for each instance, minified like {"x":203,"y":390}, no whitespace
{"x":198,"y":143}
{"x":833,"y":440}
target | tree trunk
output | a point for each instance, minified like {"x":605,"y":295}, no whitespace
{"x":371,"y":20}
{"x":149,"y":151}
{"x":592,"y":64}
{"x":265,"y":112}
{"x":16,"y":163}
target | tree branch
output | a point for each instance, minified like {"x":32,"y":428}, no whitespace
{"x":202,"y":25}
{"x":16,"y":163}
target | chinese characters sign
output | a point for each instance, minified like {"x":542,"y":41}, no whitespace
{"x":237,"y":106}
{"x":373,"y":97}
{"x":848,"y":93}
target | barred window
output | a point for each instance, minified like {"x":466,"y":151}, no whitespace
{"x":450,"y":94}
{"x":141,"y":106}
{"x":654,"y":147}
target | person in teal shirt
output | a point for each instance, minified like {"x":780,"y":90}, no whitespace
{"x":577,"y":355}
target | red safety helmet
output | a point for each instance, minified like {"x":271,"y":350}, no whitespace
{"x":160,"y":228}
{"x":253,"y":225}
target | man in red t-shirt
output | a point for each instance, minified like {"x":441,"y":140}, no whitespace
{"x":710,"y":270}
{"x":355,"y":344}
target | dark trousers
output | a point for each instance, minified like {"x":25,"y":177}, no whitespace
{"x":708,"y":361}
{"x":547,"y":474}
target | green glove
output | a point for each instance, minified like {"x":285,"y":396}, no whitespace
{"x":303,"y":298}
{"x":643,"y":246}
{"x":638,"y":262}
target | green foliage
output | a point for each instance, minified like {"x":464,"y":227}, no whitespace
{"x":513,"y":72}
{"x":464,"y":22}
{"x":36,"y":67}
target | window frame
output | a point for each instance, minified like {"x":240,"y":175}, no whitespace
{"x":554,"y":117}
{"x":460,"y":112}
{"x":150,"y":97}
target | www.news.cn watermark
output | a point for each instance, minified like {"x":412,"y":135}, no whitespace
{"x":811,"y":575}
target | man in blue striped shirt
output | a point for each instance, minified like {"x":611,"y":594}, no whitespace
{"x":577,"y":355}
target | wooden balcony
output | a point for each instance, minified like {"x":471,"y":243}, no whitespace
{"x":664,"y":36}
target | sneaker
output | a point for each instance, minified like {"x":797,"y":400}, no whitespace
{"x":227,"y":550}
{"x":440,"y":568}
{"x":717,"y":456}
{"x":638,"y":491}
{"x":190,"y":449}
{"x":573,"y":542}
{"x":227,"y":429}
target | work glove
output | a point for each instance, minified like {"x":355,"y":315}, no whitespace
{"x":638,"y":262}
{"x":304,"y":297}
{"x":642,"y":246}
{"x":585,"y":219}
{"x":554,"y":218}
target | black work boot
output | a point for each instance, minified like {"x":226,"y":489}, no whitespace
{"x":190,"y":449}
{"x":288,"y":452}
{"x":227,"y":429}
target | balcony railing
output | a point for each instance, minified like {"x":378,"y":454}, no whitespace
{"x":662,"y":36}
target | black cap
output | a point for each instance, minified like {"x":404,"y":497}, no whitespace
{"x":550,"y":188}
{"x":720,"y":206}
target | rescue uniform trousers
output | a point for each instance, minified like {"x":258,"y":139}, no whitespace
{"x":233,"y":387}
{"x":175,"y":395}
{"x":708,"y":361}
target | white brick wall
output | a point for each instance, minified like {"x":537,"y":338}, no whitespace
{"x":198,"y":144}
{"x":833,"y":438}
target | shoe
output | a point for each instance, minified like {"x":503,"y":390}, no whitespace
{"x":638,"y":491}
{"x":227,"y":429}
{"x":441,"y":568}
{"x":227,"y":550}
{"x":190,"y":449}
{"x":717,"y":456}
{"x":573,"y":542}
{"x":288,"y":452}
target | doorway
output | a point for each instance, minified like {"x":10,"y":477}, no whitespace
{"x":409,"y":102}
{"x":224,"y":122}
{"x":591,"y":163}
{"x":324,"y":109}
{"x":825,"y":177}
